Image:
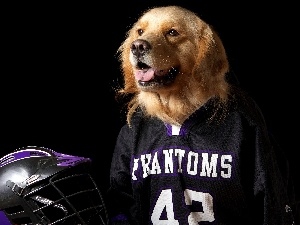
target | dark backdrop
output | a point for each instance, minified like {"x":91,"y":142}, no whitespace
{"x":59,"y":70}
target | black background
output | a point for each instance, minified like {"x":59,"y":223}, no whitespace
{"x":59,"y":69}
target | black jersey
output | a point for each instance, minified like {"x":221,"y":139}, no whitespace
{"x":208,"y":171}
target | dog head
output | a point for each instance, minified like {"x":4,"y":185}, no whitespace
{"x":173,"y":62}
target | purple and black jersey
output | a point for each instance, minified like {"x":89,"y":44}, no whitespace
{"x":208,"y":171}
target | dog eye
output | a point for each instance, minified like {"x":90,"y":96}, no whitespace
{"x":140,"y":31}
{"x":173,"y":32}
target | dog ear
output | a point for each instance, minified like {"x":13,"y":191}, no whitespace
{"x":212,"y":63}
{"x":126,"y":68}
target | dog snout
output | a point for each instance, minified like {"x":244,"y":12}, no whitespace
{"x":140,"y":47}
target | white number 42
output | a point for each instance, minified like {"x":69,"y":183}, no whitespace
{"x":165,"y":201}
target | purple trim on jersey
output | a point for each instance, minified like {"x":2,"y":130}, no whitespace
{"x":169,"y":129}
{"x":188,"y":123}
{"x":3,"y":219}
{"x":185,"y":126}
{"x":182,"y":131}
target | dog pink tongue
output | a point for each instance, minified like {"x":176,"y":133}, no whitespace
{"x":144,"y":75}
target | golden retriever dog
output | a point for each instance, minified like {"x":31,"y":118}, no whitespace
{"x":173,"y":62}
{"x":195,"y":147}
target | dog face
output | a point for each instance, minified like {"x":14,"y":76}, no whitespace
{"x":158,"y":50}
{"x":173,"y":61}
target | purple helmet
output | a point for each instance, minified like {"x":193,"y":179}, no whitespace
{"x":41,"y":186}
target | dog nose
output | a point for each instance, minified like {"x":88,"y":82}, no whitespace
{"x":139,"y":47}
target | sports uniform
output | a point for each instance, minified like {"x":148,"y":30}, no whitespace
{"x":214,"y":169}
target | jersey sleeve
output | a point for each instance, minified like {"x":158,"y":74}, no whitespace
{"x":272,"y":190}
{"x":121,"y":201}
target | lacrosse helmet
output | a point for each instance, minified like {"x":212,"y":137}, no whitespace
{"x":41,"y":186}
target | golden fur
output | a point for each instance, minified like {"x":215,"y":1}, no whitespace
{"x":172,"y":37}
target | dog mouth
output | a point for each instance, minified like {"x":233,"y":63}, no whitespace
{"x":147,"y":76}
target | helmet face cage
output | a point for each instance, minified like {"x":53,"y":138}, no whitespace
{"x":57,"y":190}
